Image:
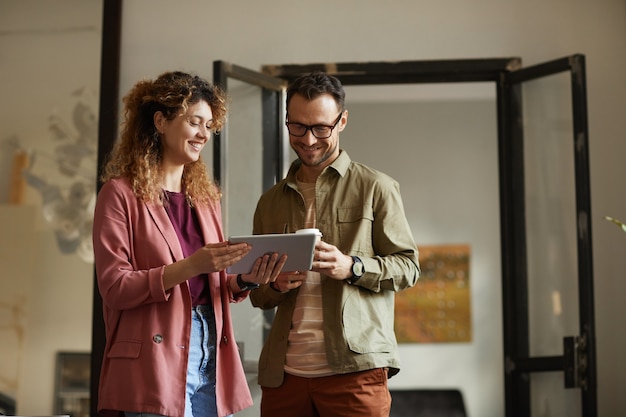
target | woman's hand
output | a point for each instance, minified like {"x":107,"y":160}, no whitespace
{"x":216,"y":257}
{"x":213,"y":257}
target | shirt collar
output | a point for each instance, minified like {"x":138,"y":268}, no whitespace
{"x":340,"y":165}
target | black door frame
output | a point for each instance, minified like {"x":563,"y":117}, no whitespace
{"x":273,"y":140}
{"x":578,"y":361}
{"x":108,"y":112}
{"x":272,"y":103}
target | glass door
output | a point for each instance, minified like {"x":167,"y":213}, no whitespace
{"x":248,"y":158}
{"x":549,"y":342}
{"x":249,"y":153}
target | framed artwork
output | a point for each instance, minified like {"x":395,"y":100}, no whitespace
{"x":438,"y":308}
{"x":73,"y":372}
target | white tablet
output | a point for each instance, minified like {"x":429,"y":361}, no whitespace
{"x":299,"y":248}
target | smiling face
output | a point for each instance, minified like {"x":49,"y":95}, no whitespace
{"x":316,"y":154}
{"x":185,"y":135}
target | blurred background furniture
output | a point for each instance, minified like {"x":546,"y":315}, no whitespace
{"x":427,"y":403}
{"x":7,"y":405}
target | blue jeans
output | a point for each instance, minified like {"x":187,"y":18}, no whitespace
{"x":200,"y":396}
{"x":200,"y":392}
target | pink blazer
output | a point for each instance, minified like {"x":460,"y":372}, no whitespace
{"x":147,"y":328}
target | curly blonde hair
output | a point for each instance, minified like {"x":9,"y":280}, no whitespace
{"x":138,"y":153}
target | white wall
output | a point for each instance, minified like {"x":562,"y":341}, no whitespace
{"x":444,"y":154}
{"x":158,"y":36}
{"x":49,"y":50}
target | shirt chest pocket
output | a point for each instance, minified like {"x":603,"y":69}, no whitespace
{"x":355,"y":228}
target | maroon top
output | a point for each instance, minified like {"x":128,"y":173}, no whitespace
{"x":185,"y":222}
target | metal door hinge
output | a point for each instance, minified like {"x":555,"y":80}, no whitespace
{"x":575,"y":361}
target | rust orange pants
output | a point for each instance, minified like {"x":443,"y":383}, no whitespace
{"x":363,"y":394}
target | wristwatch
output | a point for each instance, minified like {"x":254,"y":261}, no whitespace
{"x":357,"y":269}
{"x":246,"y":286}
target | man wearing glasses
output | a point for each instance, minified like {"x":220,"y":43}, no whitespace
{"x":332,"y":345}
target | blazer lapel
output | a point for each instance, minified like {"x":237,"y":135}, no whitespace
{"x":210,"y":220}
{"x":163,"y":223}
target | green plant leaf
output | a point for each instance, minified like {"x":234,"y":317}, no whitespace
{"x":617,"y":222}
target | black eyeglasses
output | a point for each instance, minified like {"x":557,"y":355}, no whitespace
{"x":319,"y":131}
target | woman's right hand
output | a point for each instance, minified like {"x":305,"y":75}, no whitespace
{"x":213,"y":257}
{"x":216,"y":257}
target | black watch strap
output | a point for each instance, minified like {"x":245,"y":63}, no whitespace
{"x":357,"y":269}
{"x":246,"y":286}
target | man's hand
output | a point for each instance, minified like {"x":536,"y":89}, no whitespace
{"x":330,"y":261}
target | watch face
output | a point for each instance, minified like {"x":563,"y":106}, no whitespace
{"x":357,"y":268}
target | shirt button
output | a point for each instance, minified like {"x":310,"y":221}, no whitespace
{"x":157,"y":338}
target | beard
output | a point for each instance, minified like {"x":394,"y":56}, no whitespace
{"x":329,"y":153}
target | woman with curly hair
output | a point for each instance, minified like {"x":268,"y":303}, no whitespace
{"x":160,"y":259}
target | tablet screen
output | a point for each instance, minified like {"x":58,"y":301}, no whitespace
{"x":298,"y":247}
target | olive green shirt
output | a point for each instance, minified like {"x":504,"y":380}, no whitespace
{"x":360,"y":211}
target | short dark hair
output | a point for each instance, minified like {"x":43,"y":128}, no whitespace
{"x":313,"y":85}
